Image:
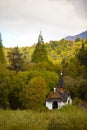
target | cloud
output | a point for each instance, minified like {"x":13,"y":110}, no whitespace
{"x":54,"y":17}
{"x":79,"y":5}
{"x":43,"y":11}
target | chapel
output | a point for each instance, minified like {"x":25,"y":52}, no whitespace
{"x":59,"y":97}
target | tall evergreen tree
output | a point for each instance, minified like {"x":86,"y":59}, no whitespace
{"x":16,"y":59}
{"x":40,"y":53}
{"x":2,"y":57}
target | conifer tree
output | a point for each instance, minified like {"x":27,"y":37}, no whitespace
{"x":16,"y":59}
{"x":40,"y":53}
{"x":2,"y":57}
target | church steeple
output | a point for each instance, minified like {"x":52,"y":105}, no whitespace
{"x":61,"y":81}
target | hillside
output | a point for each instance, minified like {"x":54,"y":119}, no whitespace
{"x":82,"y":35}
{"x":56,"y":50}
{"x":20,"y":73}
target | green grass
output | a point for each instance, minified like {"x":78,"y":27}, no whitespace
{"x":67,"y":118}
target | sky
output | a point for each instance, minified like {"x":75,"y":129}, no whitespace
{"x":22,"y":20}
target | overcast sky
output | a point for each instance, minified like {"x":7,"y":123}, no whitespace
{"x":22,"y":20}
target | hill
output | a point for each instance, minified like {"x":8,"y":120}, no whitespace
{"x":18,"y":86}
{"x":82,"y":35}
{"x":56,"y":50}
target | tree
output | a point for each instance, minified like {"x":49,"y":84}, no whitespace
{"x":2,"y":57}
{"x":77,"y":39}
{"x":16,"y":59}
{"x":4,"y":87}
{"x":14,"y":97}
{"x":40,"y":53}
{"x":35,"y":93}
{"x":83,"y":89}
{"x":40,"y":38}
{"x":82,"y":55}
{"x":17,"y":84}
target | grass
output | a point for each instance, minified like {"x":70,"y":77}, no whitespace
{"x":67,"y":118}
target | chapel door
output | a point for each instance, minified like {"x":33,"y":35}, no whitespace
{"x":55,"y":105}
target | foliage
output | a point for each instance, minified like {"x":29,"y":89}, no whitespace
{"x":35,"y":93}
{"x":15,"y":59}
{"x":83,"y":89}
{"x":40,"y":53}
{"x":2,"y":57}
{"x":82,"y":55}
{"x":50,"y":77}
{"x":19,"y":82}
{"x":77,"y":39}
{"x":77,"y":87}
{"x":4,"y":87}
{"x":70,"y":68}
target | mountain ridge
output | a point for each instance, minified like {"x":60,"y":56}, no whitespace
{"x":82,"y":35}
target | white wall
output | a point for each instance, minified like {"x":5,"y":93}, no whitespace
{"x":69,"y":101}
{"x":61,"y":104}
{"x":49,"y":105}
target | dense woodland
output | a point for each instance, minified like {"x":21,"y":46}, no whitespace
{"x":28,"y":74}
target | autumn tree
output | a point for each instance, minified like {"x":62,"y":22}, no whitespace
{"x":40,"y":53}
{"x":35,"y":93}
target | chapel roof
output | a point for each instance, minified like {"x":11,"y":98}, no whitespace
{"x":58,"y":96}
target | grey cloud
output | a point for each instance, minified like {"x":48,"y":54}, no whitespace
{"x":37,"y":9}
{"x":80,"y":6}
{"x":59,"y":14}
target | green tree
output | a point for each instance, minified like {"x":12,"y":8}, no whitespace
{"x":82,"y":55}
{"x":83,"y":89}
{"x":40,"y":53}
{"x":72,"y":85}
{"x":35,"y":93}
{"x":2,"y":57}
{"x":16,"y":59}
{"x":4,"y":87}
{"x":17,"y":83}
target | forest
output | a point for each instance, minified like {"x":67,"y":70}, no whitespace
{"x":28,"y":74}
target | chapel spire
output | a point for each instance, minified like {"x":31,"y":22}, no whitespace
{"x":61,"y":81}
